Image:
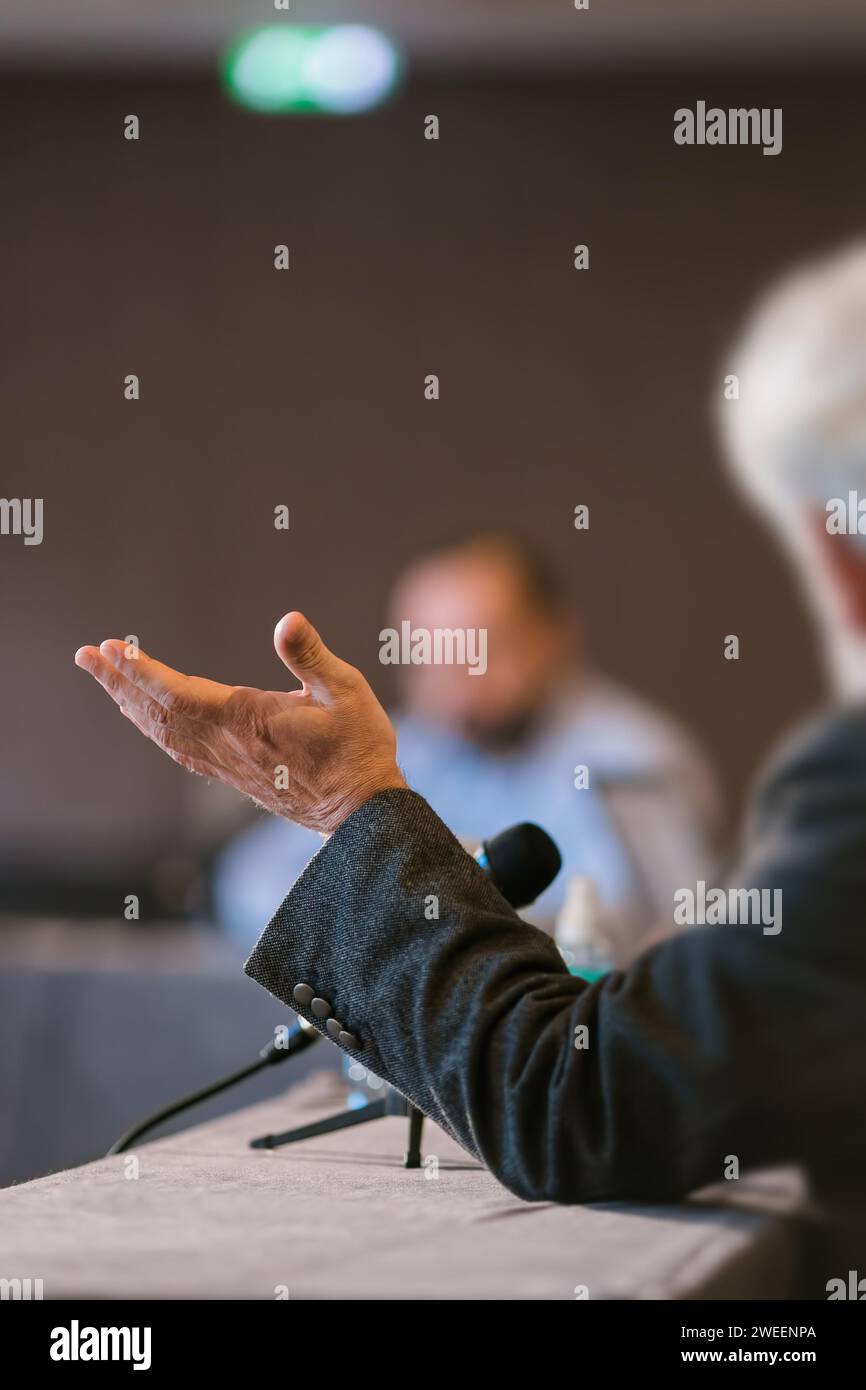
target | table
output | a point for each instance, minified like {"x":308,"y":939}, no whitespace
{"x":338,"y":1217}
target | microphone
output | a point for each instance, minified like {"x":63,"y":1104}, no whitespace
{"x":521,"y":862}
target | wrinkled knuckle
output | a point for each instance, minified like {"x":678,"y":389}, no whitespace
{"x":243,"y":709}
{"x":157,"y":714}
{"x":238,"y":700}
{"x":173,"y":702}
{"x":161,"y":736}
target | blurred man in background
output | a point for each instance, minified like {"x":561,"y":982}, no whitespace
{"x":538,"y":736}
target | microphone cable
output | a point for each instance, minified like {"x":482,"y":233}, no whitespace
{"x":303,"y":1035}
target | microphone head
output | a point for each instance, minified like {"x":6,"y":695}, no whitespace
{"x":522,"y":861}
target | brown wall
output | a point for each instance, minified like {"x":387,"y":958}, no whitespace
{"x":306,"y":388}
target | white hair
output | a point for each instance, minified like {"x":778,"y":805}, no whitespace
{"x":796,"y":434}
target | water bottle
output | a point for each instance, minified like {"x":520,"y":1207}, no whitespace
{"x":580,"y":930}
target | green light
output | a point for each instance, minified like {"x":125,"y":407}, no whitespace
{"x":341,"y":68}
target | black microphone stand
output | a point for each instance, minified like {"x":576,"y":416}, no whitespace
{"x":391,"y":1104}
{"x":303,"y":1035}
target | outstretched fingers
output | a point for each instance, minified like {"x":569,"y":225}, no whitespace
{"x":140,"y":679}
{"x":157,"y":701}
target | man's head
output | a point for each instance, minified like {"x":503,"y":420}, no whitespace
{"x":498,"y":585}
{"x":797,"y":439}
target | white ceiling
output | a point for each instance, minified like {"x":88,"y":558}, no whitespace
{"x":508,"y":32}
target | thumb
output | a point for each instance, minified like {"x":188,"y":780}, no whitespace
{"x":301,"y":649}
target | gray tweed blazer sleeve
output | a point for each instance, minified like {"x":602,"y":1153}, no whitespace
{"x":722,"y":1041}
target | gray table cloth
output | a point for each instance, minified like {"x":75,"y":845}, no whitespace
{"x":338,"y":1217}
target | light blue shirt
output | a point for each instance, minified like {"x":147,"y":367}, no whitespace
{"x":639,"y":830}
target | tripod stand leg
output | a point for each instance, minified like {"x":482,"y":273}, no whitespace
{"x":374,"y":1111}
{"x":413,"y":1154}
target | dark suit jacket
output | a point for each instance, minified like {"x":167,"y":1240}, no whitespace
{"x":720,"y":1042}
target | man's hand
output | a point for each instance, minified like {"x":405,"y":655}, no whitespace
{"x":312,"y":755}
